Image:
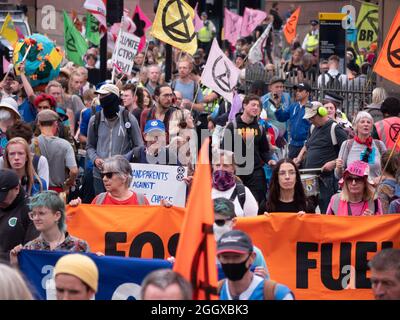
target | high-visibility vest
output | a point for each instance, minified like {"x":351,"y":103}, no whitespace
{"x":312,"y":42}
{"x":205,"y":34}
{"x":388,"y":131}
{"x":359,"y":60}
{"x":210,"y":106}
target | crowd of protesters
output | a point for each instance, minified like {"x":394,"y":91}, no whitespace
{"x":73,"y":143}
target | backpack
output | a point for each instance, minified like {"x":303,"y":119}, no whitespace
{"x":167,"y":116}
{"x":333,"y":81}
{"x":35,"y":162}
{"x":372,"y":204}
{"x":240,"y":193}
{"x":140,"y":198}
{"x":125,"y":119}
{"x":349,"y":145}
{"x":269,"y":288}
{"x":333,"y":133}
{"x":396,"y":188}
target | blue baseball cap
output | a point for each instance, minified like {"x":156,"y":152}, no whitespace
{"x":153,"y":125}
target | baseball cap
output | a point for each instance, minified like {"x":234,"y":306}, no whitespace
{"x":276,"y":79}
{"x":80,"y":266}
{"x":153,"y":125}
{"x":108,"y":88}
{"x":314,"y":22}
{"x":312,"y":109}
{"x":47,"y":115}
{"x":235,"y":241}
{"x":8,"y":180}
{"x":302,"y":86}
{"x":332,"y":97}
{"x":10,"y":104}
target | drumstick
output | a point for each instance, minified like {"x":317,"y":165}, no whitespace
{"x":310,"y":170}
{"x":26,"y":54}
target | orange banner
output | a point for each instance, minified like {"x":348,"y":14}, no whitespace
{"x":388,"y":63}
{"x":316,"y":255}
{"x":291,"y":26}
{"x":134,"y":231}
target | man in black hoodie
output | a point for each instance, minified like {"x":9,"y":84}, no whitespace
{"x":15,"y":225}
{"x":251,"y":148}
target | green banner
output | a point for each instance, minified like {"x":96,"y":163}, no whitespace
{"x":75,"y":45}
{"x":92,"y":29}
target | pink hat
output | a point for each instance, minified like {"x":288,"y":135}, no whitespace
{"x":356,"y":168}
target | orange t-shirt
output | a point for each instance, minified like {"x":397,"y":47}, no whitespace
{"x":130,"y":201}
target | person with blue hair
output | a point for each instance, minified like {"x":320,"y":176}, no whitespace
{"x":48,"y":216}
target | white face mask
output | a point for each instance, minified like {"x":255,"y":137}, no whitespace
{"x":219,"y":231}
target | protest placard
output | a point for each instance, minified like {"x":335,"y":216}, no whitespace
{"x":126,"y":47}
{"x":159,"y":182}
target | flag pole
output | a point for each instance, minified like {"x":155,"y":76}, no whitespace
{"x":119,"y":34}
{"x":195,"y":97}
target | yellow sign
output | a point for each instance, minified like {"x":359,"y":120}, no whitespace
{"x":173,"y":24}
{"x":331,"y":16}
{"x":367,"y":25}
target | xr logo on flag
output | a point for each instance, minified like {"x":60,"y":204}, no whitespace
{"x":71,"y":46}
{"x":172,"y":29}
{"x":393,"y":52}
{"x":222,"y":80}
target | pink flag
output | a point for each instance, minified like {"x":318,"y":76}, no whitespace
{"x":129,"y":25}
{"x":251,"y":19}
{"x":232,"y":25}
{"x":220,"y":74}
{"x":236,"y":107}
{"x":197,"y":22}
{"x":142,"y":24}
{"x":6,"y":65}
{"x":98,"y":8}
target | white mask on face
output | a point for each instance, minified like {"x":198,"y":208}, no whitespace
{"x":219,"y":231}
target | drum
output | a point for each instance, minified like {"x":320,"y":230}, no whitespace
{"x":310,"y":184}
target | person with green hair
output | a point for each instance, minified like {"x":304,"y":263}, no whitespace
{"x":48,"y":216}
{"x":224,"y":221}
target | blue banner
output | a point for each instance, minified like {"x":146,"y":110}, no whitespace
{"x":120,"y":278}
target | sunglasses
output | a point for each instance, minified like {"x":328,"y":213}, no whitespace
{"x":109,"y":175}
{"x":355,"y":178}
{"x":221,"y":222}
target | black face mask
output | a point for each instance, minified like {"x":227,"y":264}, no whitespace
{"x":235,"y":271}
{"x":110,"y":105}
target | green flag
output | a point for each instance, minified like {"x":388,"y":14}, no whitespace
{"x":75,"y":45}
{"x":92,"y":29}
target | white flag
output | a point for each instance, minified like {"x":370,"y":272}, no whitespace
{"x":98,"y":9}
{"x":220,"y":74}
{"x":255,"y":53}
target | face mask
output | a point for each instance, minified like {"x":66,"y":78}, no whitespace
{"x":219,"y":231}
{"x":223,"y":180}
{"x":235,"y":271}
{"x":110,"y":105}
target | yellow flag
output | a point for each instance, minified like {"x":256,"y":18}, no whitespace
{"x":173,"y":24}
{"x":8,"y":31}
{"x":55,"y":58}
{"x":367,"y":25}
